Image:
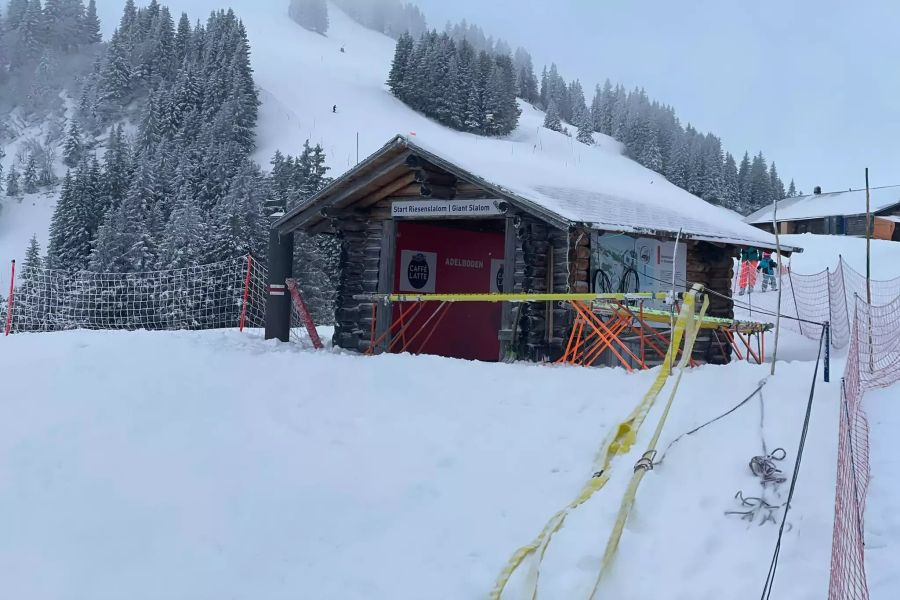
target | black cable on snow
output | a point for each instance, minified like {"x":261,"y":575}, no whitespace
{"x":773,"y":565}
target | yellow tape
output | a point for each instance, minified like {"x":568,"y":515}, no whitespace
{"x":631,"y":491}
{"x":618,"y":442}
{"x":521,"y":297}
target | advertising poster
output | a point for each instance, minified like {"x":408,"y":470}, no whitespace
{"x":418,"y":271}
{"x":623,"y":264}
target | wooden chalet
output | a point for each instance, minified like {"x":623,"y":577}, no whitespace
{"x":836,"y":213}
{"x":469,"y":219}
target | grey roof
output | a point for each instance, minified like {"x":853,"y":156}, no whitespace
{"x":829,"y":204}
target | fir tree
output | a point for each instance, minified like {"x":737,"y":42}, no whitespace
{"x":182,"y":39}
{"x":585,"y":129}
{"x":31,"y":296}
{"x":12,"y":182}
{"x":551,"y":119}
{"x":116,"y":75}
{"x":397,"y":75}
{"x":730,"y":188}
{"x":73,"y":147}
{"x":90,"y":24}
{"x":30,"y":175}
{"x":744,"y":184}
{"x":776,"y":186}
{"x":760,"y":184}
{"x":71,"y":225}
{"x":792,"y":190}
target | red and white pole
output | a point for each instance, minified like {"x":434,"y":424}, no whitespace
{"x":12,"y":291}
{"x":246,"y":293}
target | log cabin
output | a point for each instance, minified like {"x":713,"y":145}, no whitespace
{"x":417,"y":218}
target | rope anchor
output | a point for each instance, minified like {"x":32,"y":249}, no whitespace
{"x":764,"y":467}
{"x":646,"y":461}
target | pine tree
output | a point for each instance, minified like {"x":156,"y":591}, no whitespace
{"x":30,"y":175}
{"x":71,"y":225}
{"x":90,"y":25}
{"x":186,"y":237}
{"x":744,"y":184}
{"x":182,"y":39}
{"x":760,"y":184}
{"x":577,"y":102}
{"x":792,"y":190}
{"x":31,"y":296}
{"x":730,"y":187}
{"x":776,"y":186}
{"x":118,"y":167}
{"x":73,"y":147}
{"x":397,"y":75}
{"x":677,"y":168}
{"x":116,"y":74}
{"x":32,"y":260}
{"x":586,"y":129}
{"x":606,"y":109}
{"x":12,"y":182}
{"x":551,"y":119}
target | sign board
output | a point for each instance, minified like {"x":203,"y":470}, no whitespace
{"x":620,"y":263}
{"x":497,"y":275}
{"x":430,"y":209}
{"x":418,"y":271}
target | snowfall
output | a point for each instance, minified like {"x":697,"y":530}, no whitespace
{"x":220,"y":465}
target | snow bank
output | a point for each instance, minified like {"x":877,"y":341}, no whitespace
{"x":214,"y":464}
{"x":822,"y":251}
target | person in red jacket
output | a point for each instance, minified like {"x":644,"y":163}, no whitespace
{"x":749,"y":262}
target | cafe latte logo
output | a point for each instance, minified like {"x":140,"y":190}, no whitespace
{"x":417,"y":272}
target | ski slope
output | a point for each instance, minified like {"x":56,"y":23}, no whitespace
{"x":213,"y":465}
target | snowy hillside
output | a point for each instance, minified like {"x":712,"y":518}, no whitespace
{"x":303,"y":76}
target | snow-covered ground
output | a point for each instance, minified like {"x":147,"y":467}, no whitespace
{"x":210,"y":465}
{"x":822,"y":251}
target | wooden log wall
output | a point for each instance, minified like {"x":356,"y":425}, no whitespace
{"x":360,"y":256}
{"x":548,"y":260}
{"x":712,"y":266}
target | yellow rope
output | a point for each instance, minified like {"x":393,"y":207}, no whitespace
{"x":512,"y":297}
{"x":618,"y":442}
{"x":646,"y":462}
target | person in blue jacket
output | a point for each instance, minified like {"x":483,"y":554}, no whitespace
{"x":767,"y":267}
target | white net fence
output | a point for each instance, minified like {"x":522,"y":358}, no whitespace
{"x":808,"y":300}
{"x":212,"y":296}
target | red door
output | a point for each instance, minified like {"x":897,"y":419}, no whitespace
{"x":442,"y":259}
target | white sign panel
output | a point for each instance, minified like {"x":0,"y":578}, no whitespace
{"x":496,"y":275}
{"x":625,"y":264}
{"x":418,"y":271}
{"x":429,"y":209}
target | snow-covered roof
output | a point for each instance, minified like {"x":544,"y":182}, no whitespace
{"x":816,"y":206}
{"x":596,"y":187}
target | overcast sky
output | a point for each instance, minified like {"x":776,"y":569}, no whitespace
{"x":814,"y":84}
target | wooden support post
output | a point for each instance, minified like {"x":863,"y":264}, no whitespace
{"x":386,"y":281}
{"x":278,"y":302}
{"x":506,"y":332}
